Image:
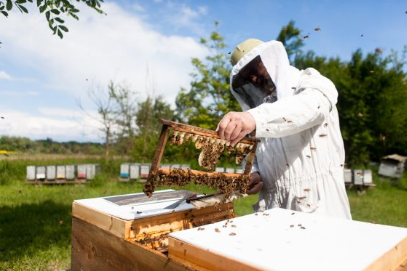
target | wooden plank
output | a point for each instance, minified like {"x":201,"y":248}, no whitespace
{"x":160,"y":150}
{"x":394,"y":259}
{"x":402,"y":267}
{"x":114,"y":225}
{"x":190,"y":254}
{"x":130,"y":229}
{"x":97,"y":249}
{"x":199,"y":131}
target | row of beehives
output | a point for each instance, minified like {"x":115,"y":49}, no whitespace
{"x":135,"y":171}
{"x":62,"y":172}
{"x":362,"y":177}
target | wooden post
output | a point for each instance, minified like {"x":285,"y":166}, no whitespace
{"x":160,"y":150}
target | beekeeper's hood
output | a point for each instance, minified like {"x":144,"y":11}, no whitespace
{"x":275,"y":60}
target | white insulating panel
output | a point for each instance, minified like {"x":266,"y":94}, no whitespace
{"x":134,"y":171}
{"x":31,"y":173}
{"x":358,"y":176}
{"x":367,"y":176}
{"x":40,"y":172}
{"x":51,"y":172}
{"x":70,"y":172}
{"x":280,"y":239}
{"x":125,"y":168}
{"x":239,"y":171}
{"x":61,"y":172}
{"x":135,"y":210}
{"x":220,"y":169}
{"x":229,"y":170}
{"x":144,"y":171}
{"x":347,"y":173}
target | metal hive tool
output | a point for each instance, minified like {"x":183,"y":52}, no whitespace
{"x":211,"y":147}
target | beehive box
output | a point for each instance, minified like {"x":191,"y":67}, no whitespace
{"x":280,"y":239}
{"x":130,"y":232}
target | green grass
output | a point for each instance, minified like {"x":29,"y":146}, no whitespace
{"x":35,"y":221}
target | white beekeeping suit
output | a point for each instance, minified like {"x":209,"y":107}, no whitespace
{"x":301,"y":155}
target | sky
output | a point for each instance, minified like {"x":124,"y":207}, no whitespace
{"x":147,"y":46}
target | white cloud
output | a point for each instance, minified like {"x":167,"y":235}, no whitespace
{"x":18,"y":93}
{"x":183,"y":16}
{"x":100,"y":48}
{"x":22,"y":124}
{"x":97,"y":49}
{"x":58,"y":112}
{"x":5,"y":76}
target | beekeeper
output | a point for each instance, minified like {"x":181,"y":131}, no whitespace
{"x":300,"y":157}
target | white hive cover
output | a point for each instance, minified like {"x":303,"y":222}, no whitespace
{"x":285,"y":240}
{"x":136,"y":206}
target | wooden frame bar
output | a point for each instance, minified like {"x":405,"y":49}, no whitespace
{"x":180,"y":127}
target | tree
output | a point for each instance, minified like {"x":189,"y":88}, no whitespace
{"x":124,"y":114}
{"x":104,"y":105}
{"x":53,"y":10}
{"x":149,"y":128}
{"x":290,"y":36}
{"x":209,"y":97}
{"x":371,"y":104}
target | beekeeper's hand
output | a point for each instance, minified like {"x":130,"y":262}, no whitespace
{"x":235,"y":125}
{"x":255,"y":184}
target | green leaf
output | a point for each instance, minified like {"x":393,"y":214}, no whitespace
{"x":23,"y":8}
{"x":62,"y":27}
{"x":5,"y":13}
{"x":60,"y":34}
{"x":47,"y":14}
{"x":73,"y":15}
{"x":43,"y":8}
{"x":39,"y":2}
{"x":59,"y":20}
{"x":55,"y":11}
{"x":9,"y":5}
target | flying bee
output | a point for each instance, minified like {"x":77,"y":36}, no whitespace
{"x":317,"y":28}
{"x":322,"y":135}
{"x":360,"y":115}
{"x":313,"y":148}
{"x":305,"y":37}
{"x":307,"y":189}
{"x":232,"y":234}
{"x":217,"y":230}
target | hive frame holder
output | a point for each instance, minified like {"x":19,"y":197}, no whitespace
{"x":189,"y":129}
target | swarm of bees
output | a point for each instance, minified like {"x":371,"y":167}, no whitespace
{"x":180,"y":177}
{"x":211,"y":148}
{"x":155,"y":242}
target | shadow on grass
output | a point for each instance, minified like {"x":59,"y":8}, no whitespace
{"x":28,"y":229}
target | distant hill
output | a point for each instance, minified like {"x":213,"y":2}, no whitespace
{"x":22,"y":145}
